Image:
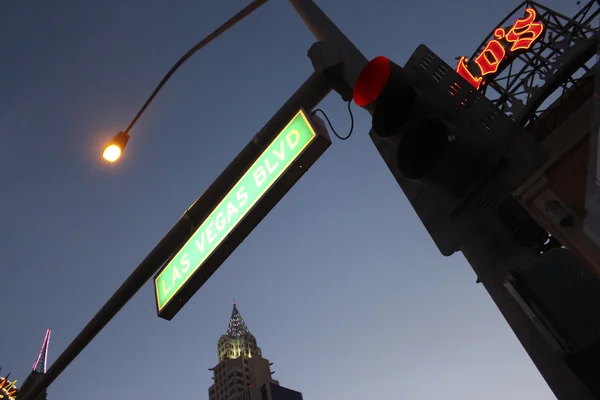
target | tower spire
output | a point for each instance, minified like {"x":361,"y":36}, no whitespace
{"x":237,"y":326}
{"x":40,"y":363}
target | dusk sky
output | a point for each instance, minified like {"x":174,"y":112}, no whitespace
{"x":342,"y":286}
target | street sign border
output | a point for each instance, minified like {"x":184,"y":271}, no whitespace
{"x":253,"y":216}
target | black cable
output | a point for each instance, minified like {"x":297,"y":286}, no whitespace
{"x":331,"y":126}
{"x":217,"y":32}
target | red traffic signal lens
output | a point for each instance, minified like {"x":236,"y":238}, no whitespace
{"x":372,"y":81}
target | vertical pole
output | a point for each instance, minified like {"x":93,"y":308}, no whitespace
{"x":493,"y":253}
{"x":323,"y":29}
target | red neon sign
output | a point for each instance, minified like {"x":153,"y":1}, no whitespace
{"x":520,"y":36}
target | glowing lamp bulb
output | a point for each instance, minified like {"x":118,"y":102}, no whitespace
{"x":114,"y":148}
{"x":112,"y":153}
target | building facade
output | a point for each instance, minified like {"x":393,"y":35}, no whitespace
{"x":242,"y":373}
{"x":270,"y":391}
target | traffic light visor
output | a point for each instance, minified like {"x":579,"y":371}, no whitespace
{"x":372,"y":81}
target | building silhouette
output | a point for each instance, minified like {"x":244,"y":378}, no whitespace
{"x":242,"y":373}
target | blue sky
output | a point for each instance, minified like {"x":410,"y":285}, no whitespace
{"x":341,"y":285}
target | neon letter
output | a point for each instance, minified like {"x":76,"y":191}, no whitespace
{"x":524,"y":32}
{"x":463,"y":71}
{"x":490,"y":58}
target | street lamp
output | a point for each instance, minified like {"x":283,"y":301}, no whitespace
{"x":152,"y":263}
{"x":114,"y":148}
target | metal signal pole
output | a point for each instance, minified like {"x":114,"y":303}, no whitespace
{"x":493,"y":253}
{"x":324,"y":30}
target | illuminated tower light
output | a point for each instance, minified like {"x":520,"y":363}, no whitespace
{"x":40,"y":363}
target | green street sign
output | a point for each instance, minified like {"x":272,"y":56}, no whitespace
{"x":270,"y":169}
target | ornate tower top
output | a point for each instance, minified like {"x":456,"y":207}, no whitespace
{"x":238,"y":341}
{"x":237,"y":327}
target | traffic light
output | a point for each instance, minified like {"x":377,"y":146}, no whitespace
{"x":455,"y":155}
{"x":434,"y":145}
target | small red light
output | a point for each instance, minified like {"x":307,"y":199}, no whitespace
{"x":372,"y":81}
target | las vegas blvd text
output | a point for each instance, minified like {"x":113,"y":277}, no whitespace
{"x":280,"y":154}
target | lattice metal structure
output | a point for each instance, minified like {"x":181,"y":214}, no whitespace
{"x":237,"y":327}
{"x":537,"y":80}
{"x":40,"y":362}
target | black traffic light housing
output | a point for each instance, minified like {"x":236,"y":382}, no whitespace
{"x":434,"y":146}
{"x":454,"y":154}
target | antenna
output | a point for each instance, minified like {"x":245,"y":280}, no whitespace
{"x":40,"y":363}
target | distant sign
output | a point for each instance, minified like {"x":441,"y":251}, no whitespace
{"x":281,"y":164}
{"x":520,"y":37}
